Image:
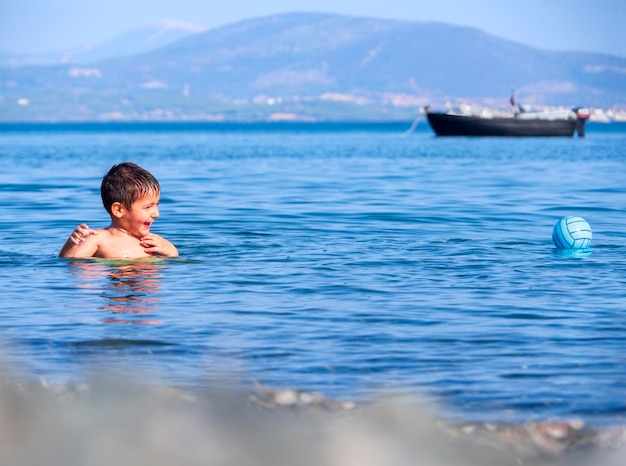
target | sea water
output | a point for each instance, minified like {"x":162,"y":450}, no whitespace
{"x":351,"y":260}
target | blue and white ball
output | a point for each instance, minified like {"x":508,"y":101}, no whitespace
{"x":571,"y":232}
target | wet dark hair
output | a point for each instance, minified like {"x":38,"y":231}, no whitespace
{"x":125,"y":183}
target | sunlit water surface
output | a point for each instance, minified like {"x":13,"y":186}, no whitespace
{"x":348,"y":260}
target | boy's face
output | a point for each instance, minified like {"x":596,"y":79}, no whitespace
{"x":143,"y":212}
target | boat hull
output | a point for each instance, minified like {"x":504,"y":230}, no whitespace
{"x":444,"y":124}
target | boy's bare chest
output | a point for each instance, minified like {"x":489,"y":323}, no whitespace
{"x":121,"y":247}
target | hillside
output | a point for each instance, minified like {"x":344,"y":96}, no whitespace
{"x":312,"y":66}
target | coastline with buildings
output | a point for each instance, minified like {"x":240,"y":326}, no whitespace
{"x":326,"y":107}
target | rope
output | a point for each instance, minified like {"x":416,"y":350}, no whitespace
{"x":415,"y":123}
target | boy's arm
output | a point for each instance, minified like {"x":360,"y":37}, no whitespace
{"x":81,"y":243}
{"x":158,"y":246}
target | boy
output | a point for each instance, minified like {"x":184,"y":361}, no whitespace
{"x":131,"y":196}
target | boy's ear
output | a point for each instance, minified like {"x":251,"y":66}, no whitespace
{"x":117,"y":209}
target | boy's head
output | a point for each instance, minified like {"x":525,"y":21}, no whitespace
{"x":125,"y":183}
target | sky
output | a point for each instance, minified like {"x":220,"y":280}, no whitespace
{"x":33,"y":26}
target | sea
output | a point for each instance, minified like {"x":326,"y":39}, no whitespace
{"x":357,"y":261}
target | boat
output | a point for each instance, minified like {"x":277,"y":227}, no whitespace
{"x":463,"y":121}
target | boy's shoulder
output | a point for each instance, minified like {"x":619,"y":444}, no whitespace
{"x":104,"y":231}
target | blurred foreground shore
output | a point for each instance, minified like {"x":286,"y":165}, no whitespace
{"x":111,"y":421}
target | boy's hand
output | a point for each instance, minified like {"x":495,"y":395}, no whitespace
{"x":158,"y":246}
{"x":74,"y":246}
{"x":81,"y":233}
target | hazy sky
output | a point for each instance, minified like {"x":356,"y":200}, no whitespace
{"x":51,"y":25}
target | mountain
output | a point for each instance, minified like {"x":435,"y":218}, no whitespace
{"x":312,"y":66}
{"x":132,"y":42}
